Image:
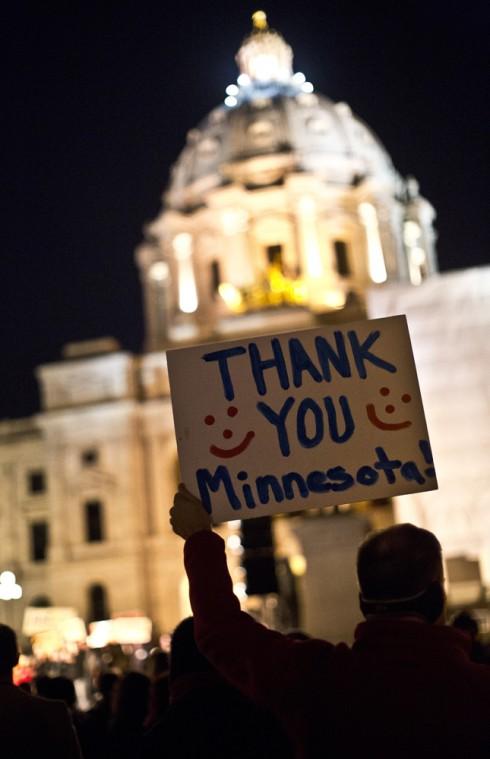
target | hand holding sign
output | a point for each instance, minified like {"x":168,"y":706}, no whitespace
{"x":187,"y":515}
{"x":291,"y":421}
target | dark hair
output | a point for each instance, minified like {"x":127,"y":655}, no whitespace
{"x":132,"y":699}
{"x":63,"y":689}
{"x":466,"y":622}
{"x":9,"y":652}
{"x":185,"y":657}
{"x":400,"y":570}
{"x":106,"y":682}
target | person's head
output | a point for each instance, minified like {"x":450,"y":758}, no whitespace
{"x":467,"y":623}
{"x":158,"y":662}
{"x":185,"y":657}
{"x":63,"y":689}
{"x":400,"y":573}
{"x":132,"y":698}
{"x":106,"y":683}
{"x":9,"y":652}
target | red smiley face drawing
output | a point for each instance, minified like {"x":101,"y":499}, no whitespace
{"x":374,"y":418}
{"x":228,"y":453}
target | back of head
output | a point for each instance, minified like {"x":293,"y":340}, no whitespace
{"x":467,"y":623}
{"x":63,"y":689}
{"x":400,"y":572}
{"x":106,"y":682}
{"x":185,"y":657}
{"x":9,"y":653}
{"x":132,"y":698}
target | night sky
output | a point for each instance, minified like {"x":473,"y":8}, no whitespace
{"x":99,"y":97}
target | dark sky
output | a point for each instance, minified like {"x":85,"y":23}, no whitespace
{"x":98,"y":101}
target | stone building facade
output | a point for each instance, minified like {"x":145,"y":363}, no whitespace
{"x":282,"y":211}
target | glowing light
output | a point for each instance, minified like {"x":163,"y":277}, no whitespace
{"x":259,"y":20}
{"x":297,"y":564}
{"x":240,"y":590}
{"x":100,"y":634}
{"x":182,"y":245}
{"x":231,"y":295}
{"x":141,"y":654}
{"x":73,"y":630}
{"x":299,"y":78}
{"x":10,"y":590}
{"x":232,"y":89}
{"x":417,"y":256}
{"x":264,"y":67}
{"x":307,"y":87}
{"x":230,"y":101}
{"x":243,"y":80}
{"x":376,"y":261}
{"x":159,"y":271}
{"x":233,"y":542}
{"x":335,"y":299}
{"x":411,"y":233}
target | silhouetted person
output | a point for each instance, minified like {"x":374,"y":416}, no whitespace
{"x":468,"y":624}
{"x":94,"y":727}
{"x":159,"y":700}
{"x":126,"y":729}
{"x":406,"y":688}
{"x":63,"y":689}
{"x":30,"y":726}
{"x":207,"y":717}
{"x":158,"y":663}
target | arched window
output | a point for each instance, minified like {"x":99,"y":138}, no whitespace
{"x":97,"y":603}
{"x":94,"y":522}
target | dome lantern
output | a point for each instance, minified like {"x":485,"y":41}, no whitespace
{"x":264,"y":56}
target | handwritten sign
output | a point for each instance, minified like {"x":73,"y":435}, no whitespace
{"x":300,"y":420}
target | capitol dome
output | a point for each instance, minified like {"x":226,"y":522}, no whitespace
{"x":282,"y":209}
{"x":271,"y":124}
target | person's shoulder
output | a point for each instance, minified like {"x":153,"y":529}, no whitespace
{"x":48,"y":708}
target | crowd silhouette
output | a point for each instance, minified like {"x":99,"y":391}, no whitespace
{"x":410,"y":686}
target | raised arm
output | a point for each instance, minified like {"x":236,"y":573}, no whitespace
{"x":262,"y":663}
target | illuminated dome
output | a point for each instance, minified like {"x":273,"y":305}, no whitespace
{"x":282,"y":209}
{"x":272,"y":124}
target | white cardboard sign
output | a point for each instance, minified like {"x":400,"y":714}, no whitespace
{"x":298,"y":420}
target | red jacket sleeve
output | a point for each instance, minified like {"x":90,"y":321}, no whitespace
{"x":262,"y":663}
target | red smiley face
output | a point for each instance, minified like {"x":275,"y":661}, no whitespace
{"x":228,"y":453}
{"x":389,"y":408}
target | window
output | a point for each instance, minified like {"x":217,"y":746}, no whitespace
{"x":39,"y":541}
{"x":40,"y":602}
{"x":94,"y":528}
{"x":215,"y":278}
{"x":90,"y":457}
{"x":36,"y":482}
{"x":342,"y":258}
{"x":97,"y":602}
{"x":274,"y":254}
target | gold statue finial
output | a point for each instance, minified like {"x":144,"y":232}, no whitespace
{"x":259,"y":21}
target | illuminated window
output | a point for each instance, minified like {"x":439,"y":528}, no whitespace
{"x":94,"y":528}
{"x":215,"y":278}
{"x":39,"y":541}
{"x":342,"y":258}
{"x":36,"y":482}
{"x":97,"y":601}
